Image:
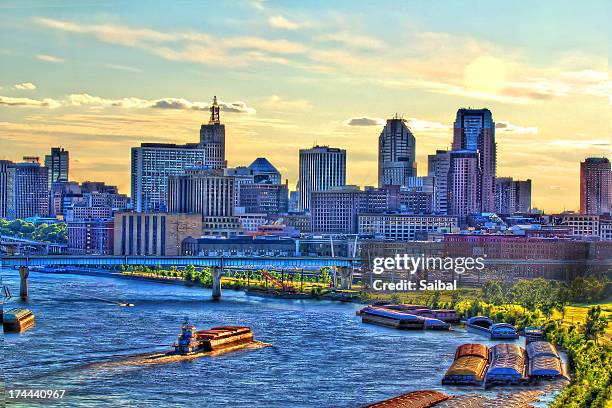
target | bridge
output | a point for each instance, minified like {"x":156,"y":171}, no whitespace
{"x":216,"y":264}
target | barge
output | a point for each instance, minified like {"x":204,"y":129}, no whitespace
{"x":446,"y":315}
{"x":479,"y":324}
{"x":502,"y":331}
{"x":533,"y":334}
{"x":192,"y":341}
{"x":507,"y":365}
{"x":415,"y":399}
{"x":18,"y":320}
{"x":469,"y":367}
{"x":544,"y":360}
{"x":391,"y":318}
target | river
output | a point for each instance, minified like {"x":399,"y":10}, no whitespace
{"x":321,"y":353}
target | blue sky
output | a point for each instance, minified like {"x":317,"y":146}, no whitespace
{"x":100,"y":77}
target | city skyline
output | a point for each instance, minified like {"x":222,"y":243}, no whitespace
{"x":305,"y":76}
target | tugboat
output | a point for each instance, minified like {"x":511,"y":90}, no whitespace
{"x":191,"y":341}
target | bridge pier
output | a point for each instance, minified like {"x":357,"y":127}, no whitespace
{"x":23,"y":285}
{"x":346,"y":277}
{"x":216,"y":272}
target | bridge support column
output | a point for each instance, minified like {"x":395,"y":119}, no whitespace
{"x":216,"y":272}
{"x":23,"y":286}
{"x":346,"y":277}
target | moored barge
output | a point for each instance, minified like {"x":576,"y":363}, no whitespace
{"x":469,"y":366}
{"x":191,"y":341}
{"x":544,"y":360}
{"x":18,"y":320}
{"x":415,"y":399}
{"x":503,"y":331}
{"x":391,"y":318}
{"x":507,"y":365}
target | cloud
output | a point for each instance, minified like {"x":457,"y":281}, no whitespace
{"x":27,"y":102}
{"x":426,"y":125}
{"x":186,"y":46}
{"x":123,"y":68}
{"x":352,"y":40}
{"x":25,"y":86}
{"x":508,"y":127}
{"x":364,"y":121}
{"x":49,"y":58}
{"x":283,"y":23}
{"x":275,"y":102}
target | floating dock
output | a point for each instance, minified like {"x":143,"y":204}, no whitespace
{"x":18,"y":320}
{"x":415,"y":399}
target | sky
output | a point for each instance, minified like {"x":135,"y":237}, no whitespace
{"x":99,"y":77}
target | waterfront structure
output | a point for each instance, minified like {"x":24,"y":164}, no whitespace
{"x":438,"y":167}
{"x":463,"y":176}
{"x":90,"y":236}
{"x":512,"y":196}
{"x":153,"y":233}
{"x":238,"y":246}
{"x":4,"y":169}
{"x":152,"y":164}
{"x":27,"y":190}
{"x":396,"y":154}
{"x":264,"y":198}
{"x":403,"y":227}
{"x":57,"y":163}
{"x":212,"y":139}
{"x":207,"y":192}
{"x":321,"y":168}
{"x":474,"y":131}
{"x":264,"y":171}
{"x":595,"y":186}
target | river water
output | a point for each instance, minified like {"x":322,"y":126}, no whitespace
{"x":321,"y":353}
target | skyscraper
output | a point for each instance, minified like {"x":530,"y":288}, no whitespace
{"x":474,"y":131}
{"x":27,"y":190}
{"x":152,"y":164}
{"x":57,"y":164}
{"x":264,"y":171}
{"x":4,"y":168}
{"x":463,"y":175}
{"x":437,"y":167}
{"x":595,"y":186}
{"x":512,"y":196}
{"x":321,"y":168}
{"x":396,"y":154}
{"x":212,"y":138}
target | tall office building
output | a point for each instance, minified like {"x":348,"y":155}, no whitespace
{"x":27,"y":190}
{"x":474,"y":131}
{"x":595,"y":186}
{"x":463,"y":175}
{"x":437,"y":167}
{"x":264,"y":198}
{"x":212,"y":139}
{"x":152,"y":164}
{"x":4,"y":167}
{"x":396,"y":154}
{"x":512,"y":196}
{"x":321,"y":168}
{"x":57,"y":164}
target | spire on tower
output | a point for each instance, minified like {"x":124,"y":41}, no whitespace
{"x":214,"y":112}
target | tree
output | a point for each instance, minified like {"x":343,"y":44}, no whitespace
{"x":595,"y":324}
{"x":493,"y":292}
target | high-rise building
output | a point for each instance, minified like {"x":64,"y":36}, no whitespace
{"x":207,"y":192}
{"x":404,"y":227}
{"x":595,"y":186}
{"x":27,"y":190}
{"x":463,"y":175}
{"x":474,"y":131}
{"x":334,"y":211}
{"x":264,"y":198}
{"x":152,"y":164}
{"x":4,"y":167}
{"x":512,"y":196}
{"x":438,"y":169}
{"x":242,"y":175}
{"x":396,"y":154}
{"x":212,"y":139}
{"x":90,"y":237}
{"x":57,"y":164}
{"x":264,"y":171}
{"x":321,"y":168}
